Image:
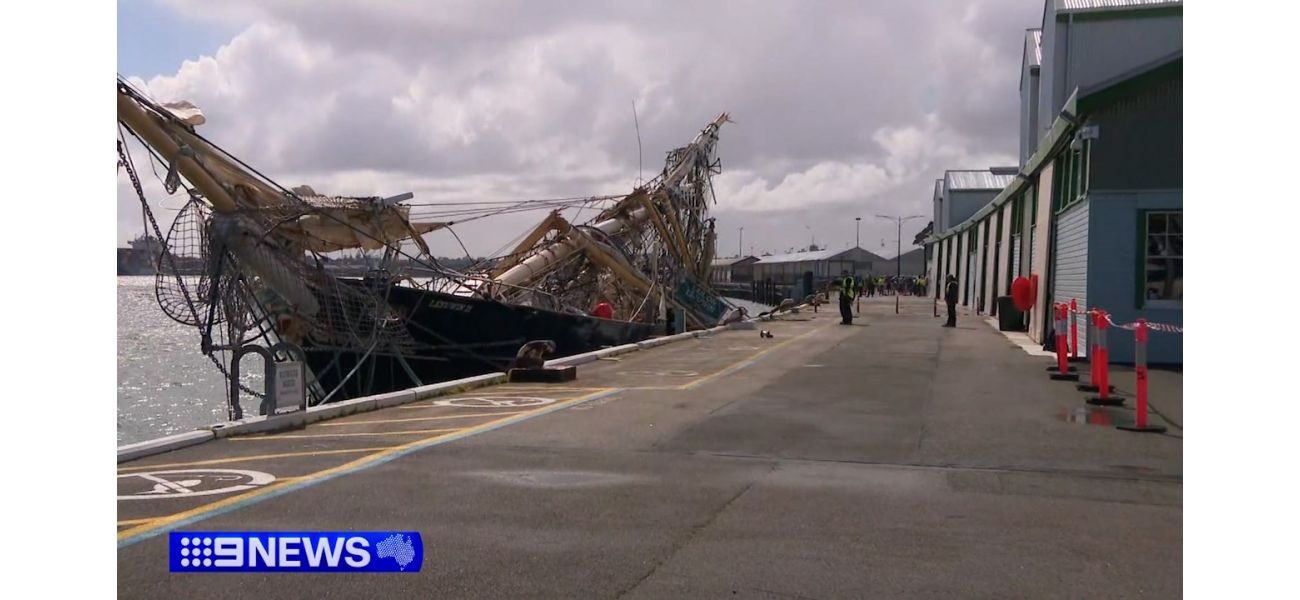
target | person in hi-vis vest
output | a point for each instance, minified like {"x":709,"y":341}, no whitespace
{"x":950,"y":297}
{"x":847,"y":288}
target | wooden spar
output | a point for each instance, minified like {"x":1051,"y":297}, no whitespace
{"x":679,"y":237}
{"x":129,"y":112}
{"x":658,"y":222}
{"x":546,"y":226}
{"x":598,"y":255}
{"x":614,"y":222}
{"x":540,"y":263}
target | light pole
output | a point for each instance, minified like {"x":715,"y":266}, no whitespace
{"x":857,"y":232}
{"x":899,"y":258}
{"x":740,"y":247}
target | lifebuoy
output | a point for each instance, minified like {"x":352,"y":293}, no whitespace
{"x":1022,"y":294}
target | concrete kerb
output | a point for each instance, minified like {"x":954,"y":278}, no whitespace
{"x":264,"y":424}
{"x":162,"y":444}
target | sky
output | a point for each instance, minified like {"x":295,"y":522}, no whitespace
{"x":842,"y":109}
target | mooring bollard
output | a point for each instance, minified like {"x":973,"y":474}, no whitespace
{"x":1140,"y":370}
{"x":1103,"y":397}
{"x":1063,"y":371}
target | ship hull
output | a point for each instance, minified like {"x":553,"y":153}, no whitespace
{"x":459,"y":337}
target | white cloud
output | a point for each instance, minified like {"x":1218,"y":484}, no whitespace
{"x":839,"y":106}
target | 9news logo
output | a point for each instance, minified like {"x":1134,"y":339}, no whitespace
{"x":297,"y":552}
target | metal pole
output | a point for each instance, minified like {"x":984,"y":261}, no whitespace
{"x":740,"y":248}
{"x":857,"y":232}
{"x":899,"y":258}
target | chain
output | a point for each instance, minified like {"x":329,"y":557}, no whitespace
{"x":125,"y":162}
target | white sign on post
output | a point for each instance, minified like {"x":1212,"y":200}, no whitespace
{"x":290,"y":386}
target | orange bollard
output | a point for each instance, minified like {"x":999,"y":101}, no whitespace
{"x":1063,"y":371}
{"x":1103,"y":397}
{"x":1092,"y":316}
{"x":1140,"y":371}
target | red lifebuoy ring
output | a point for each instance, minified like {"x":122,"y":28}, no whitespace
{"x":1022,"y":294}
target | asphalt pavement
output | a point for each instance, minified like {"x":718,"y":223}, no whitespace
{"x":890,"y":458}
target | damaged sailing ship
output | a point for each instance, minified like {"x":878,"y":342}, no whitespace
{"x":645,"y":254}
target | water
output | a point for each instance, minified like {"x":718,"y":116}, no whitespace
{"x":164,"y":384}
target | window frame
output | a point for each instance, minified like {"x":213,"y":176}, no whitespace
{"x":1144,"y":233}
{"x":1071,"y":173}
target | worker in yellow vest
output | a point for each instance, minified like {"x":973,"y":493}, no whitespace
{"x":848,"y":288}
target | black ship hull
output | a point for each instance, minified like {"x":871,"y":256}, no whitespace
{"x":458,"y":337}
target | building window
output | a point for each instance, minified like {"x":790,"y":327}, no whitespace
{"x":1162,"y":274}
{"x":1071,"y":174}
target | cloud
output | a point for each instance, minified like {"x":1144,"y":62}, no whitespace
{"x":840,"y":107}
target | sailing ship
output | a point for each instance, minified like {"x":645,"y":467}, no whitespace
{"x":644,"y":256}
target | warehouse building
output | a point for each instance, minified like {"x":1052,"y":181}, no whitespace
{"x":788,"y":269}
{"x":733,"y":269}
{"x":1094,"y":213}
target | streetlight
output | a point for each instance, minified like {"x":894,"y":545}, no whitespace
{"x":899,"y":258}
{"x":857,"y":232}
{"x":740,"y":247}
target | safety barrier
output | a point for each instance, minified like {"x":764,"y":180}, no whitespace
{"x":1099,"y":322}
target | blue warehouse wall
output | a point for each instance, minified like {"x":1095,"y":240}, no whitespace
{"x":1113,"y":263}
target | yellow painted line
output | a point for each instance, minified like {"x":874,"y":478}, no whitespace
{"x":740,"y":364}
{"x":235,"y":459}
{"x":280,"y":485}
{"x":134,"y":521}
{"x":441,"y":418}
{"x":272,"y":438}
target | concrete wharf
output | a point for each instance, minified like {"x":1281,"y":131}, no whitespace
{"x":890,"y":458}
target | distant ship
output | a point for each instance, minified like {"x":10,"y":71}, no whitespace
{"x":140,"y":258}
{"x":144,"y":254}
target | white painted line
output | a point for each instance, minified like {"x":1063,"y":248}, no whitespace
{"x":188,"y":483}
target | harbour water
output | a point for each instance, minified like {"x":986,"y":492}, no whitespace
{"x":164,"y":384}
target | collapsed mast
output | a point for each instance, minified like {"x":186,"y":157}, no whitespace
{"x":246,"y":261}
{"x":650,"y":250}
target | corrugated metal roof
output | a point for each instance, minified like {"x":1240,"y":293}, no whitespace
{"x":799,"y":256}
{"x":727,"y":262}
{"x":976,"y":180}
{"x":1069,"y":6}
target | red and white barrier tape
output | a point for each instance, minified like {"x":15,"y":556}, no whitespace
{"x":1163,"y":327}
